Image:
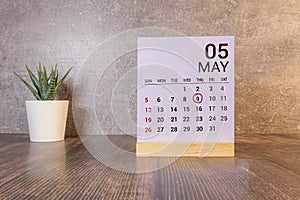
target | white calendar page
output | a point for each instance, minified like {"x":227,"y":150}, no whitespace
{"x":185,"y":89}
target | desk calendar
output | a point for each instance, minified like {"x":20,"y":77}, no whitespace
{"x":185,"y":96}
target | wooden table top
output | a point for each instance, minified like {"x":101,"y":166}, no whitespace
{"x":264,"y":167}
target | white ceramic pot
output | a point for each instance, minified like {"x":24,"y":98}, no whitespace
{"x":47,"y":120}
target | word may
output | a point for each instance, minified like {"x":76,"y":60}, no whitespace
{"x":213,"y":66}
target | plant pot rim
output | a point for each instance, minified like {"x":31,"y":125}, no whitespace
{"x":46,"y":101}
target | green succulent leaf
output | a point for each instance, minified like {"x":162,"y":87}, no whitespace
{"x":34,"y":92}
{"x":45,"y":72}
{"x":43,"y":81}
{"x":51,"y":92}
{"x":34,"y":80}
{"x":62,"y":80}
{"x":46,"y":87}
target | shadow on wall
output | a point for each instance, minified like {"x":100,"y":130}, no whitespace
{"x":66,"y":93}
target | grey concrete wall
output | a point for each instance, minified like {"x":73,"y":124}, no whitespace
{"x":267,"y":49}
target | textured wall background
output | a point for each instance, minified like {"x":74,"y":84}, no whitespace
{"x":267,"y":49}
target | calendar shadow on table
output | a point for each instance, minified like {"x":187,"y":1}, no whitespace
{"x":123,"y":156}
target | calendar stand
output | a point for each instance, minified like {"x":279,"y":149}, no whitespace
{"x":185,"y":149}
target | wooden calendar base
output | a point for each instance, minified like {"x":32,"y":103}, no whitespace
{"x":185,"y":149}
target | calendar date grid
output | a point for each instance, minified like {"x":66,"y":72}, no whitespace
{"x":186,"y":113}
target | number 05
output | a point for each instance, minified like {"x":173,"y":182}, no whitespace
{"x":211,"y":51}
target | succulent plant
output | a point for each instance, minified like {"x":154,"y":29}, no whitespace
{"x":45,"y":87}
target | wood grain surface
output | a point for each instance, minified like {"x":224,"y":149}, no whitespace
{"x":264,"y":167}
